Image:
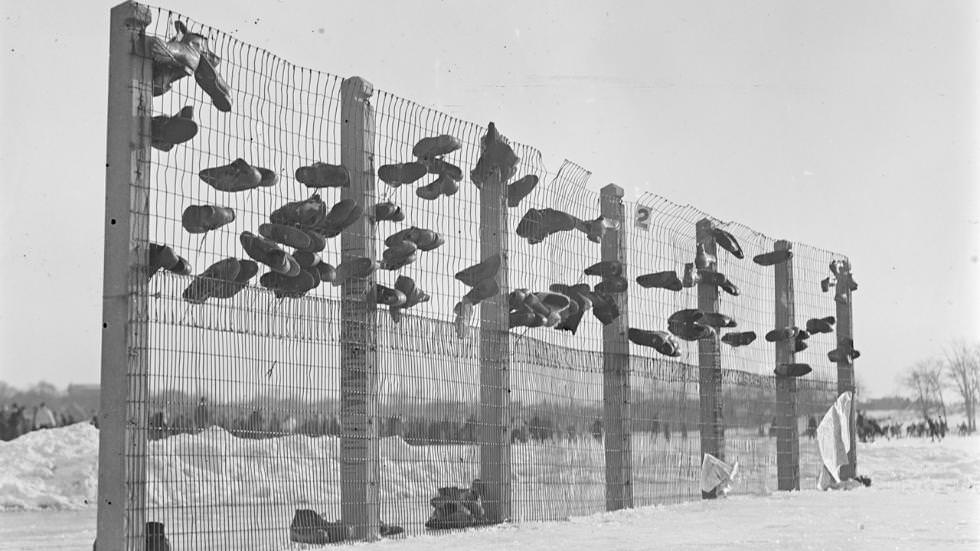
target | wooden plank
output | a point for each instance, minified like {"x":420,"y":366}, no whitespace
{"x":495,"y":357}
{"x":845,"y":370}
{"x":787,"y":431}
{"x":359,"y":447}
{"x":709,"y":360}
{"x":616,"y":391}
{"x":122,"y":411}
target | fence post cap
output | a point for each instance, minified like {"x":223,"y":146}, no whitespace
{"x":359,"y":87}
{"x":612,"y":189}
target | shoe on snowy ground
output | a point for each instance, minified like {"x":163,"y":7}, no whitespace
{"x":309,"y":527}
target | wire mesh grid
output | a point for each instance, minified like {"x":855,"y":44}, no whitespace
{"x":244,"y":391}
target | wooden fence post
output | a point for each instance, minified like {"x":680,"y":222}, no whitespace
{"x":495,"y":357}
{"x":845,"y":368}
{"x":709,"y":360}
{"x":616,"y":366}
{"x":359,"y":450}
{"x":122,"y":411}
{"x":787,"y":432}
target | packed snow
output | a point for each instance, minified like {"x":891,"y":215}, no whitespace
{"x":925,"y":495}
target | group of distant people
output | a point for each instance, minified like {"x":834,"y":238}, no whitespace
{"x":17,"y":419}
{"x":935,"y":429}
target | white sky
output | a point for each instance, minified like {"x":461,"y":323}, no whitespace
{"x":849,"y":125}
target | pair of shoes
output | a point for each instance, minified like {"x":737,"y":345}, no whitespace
{"x":660,"y":341}
{"x":186,"y":55}
{"x":611,"y":272}
{"x":238,"y":176}
{"x":687,"y":324}
{"x":792,"y":370}
{"x":425,"y":240}
{"x":738,"y":339}
{"x":268,"y":252}
{"x":581,"y":300}
{"x":820,"y":325}
{"x":543,"y":309}
{"x":221,"y":280}
{"x":413,"y":296}
{"x":399,"y":255}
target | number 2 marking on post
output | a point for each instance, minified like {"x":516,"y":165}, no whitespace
{"x":642,"y":217}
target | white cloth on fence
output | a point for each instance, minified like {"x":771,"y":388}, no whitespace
{"x":715,"y":473}
{"x":834,"y":440}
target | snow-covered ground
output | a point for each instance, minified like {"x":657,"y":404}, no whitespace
{"x":924,"y":496}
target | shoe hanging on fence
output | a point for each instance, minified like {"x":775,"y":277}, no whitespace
{"x":703,"y":260}
{"x":738,"y":339}
{"x":826,"y":283}
{"x":321,"y":175}
{"x":820,"y":325}
{"x":772,"y":258}
{"x":341,"y":216}
{"x":182,"y":52}
{"x":396,"y":175}
{"x":164,"y":257}
{"x":443,"y":185}
{"x":238,"y":176}
{"x":728,"y":242}
{"x":436,"y":146}
{"x":799,"y":344}
{"x":306,"y":213}
{"x":327,"y":272}
{"x":441,"y":168}
{"x":691,"y":278}
{"x":792,"y":370}
{"x":782,"y":334}
{"x":662,"y":280}
{"x":580,"y":295}
{"x":291,"y":236}
{"x":204,"y":218}
{"x":357,"y":267}
{"x":413,"y":296}
{"x":691,"y":331}
{"x":166,"y":131}
{"x":308,"y":527}
{"x":496,"y":155}
{"x":388,"y":211}
{"x":487,"y":288}
{"x":687,"y":315}
{"x":604,"y":308}
{"x":550,"y":305}
{"x":844,"y":352}
{"x":719,"y":280}
{"x":595,"y":229}
{"x":537,"y":224}
{"x":660,"y":341}
{"x":223,"y":279}
{"x":612,"y":284}
{"x":486,"y":269}
{"x":425,"y":240}
{"x":517,"y":191}
{"x":210,"y":81}
{"x":606,"y":268}
{"x":290,"y":287}
{"x":269,"y":253}
{"x":386,"y":296}
{"x":399,"y":255}
{"x":156,"y":539}
{"x":716,"y":320}
{"x":306,"y":259}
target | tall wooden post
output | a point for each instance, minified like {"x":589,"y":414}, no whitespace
{"x":845,"y":366}
{"x":495,"y":357}
{"x":359,"y":453}
{"x":787,"y":432}
{"x":616,"y":366}
{"x":122,"y":412}
{"x":709,"y":360}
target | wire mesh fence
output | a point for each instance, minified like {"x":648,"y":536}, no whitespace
{"x":260,"y":261}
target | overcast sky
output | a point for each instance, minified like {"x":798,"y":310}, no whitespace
{"x":850,"y":125}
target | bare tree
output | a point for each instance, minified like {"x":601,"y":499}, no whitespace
{"x":963,"y":368}
{"x":917,"y":379}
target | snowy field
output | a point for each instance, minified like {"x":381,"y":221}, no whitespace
{"x":924,"y":496}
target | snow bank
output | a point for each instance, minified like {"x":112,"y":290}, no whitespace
{"x":50,"y":469}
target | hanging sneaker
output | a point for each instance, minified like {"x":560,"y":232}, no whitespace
{"x":160,"y":257}
{"x":728,"y":242}
{"x":327,"y":273}
{"x":662,"y":280}
{"x":463,"y":312}
{"x":439,"y":167}
{"x":289,"y":287}
{"x":210,"y":81}
{"x":517,"y":191}
{"x":716,"y":320}
{"x":386,"y":296}
{"x":612,"y":284}
{"x":738,"y":339}
{"x":483,"y":290}
{"x":306,"y":213}
{"x":167,"y":131}
{"x":792,"y":370}
{"x":402,"y":173}
{"x":604,"y":308}
{"x":388,"y":211}
{"x":321,"y":175}
{"x":399,"y":256}
{"x":267,"y":252}
{"x":237,"y":176}
{"x":443,"y":185}
{"x":436,"y":146}
{"x":691,"y":331}
{"x":688,"y":315}
{"x":772,"y":258}
{"x":341,"y":216}
{"x":537,"y":224}
{"x":357,"y":267}
{"x":826,"y":284}
{"x":606,"y":268}
{"x":820,"y":325}
{"x":782,"y":334}
{"x":204,"y":218}
{"x":213,"y":281}
{"x":486,"y":269}
{"x":291,"y":236}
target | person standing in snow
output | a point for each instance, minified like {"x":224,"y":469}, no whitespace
{"x":201,"y":416}
{"x":44,"y":418}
